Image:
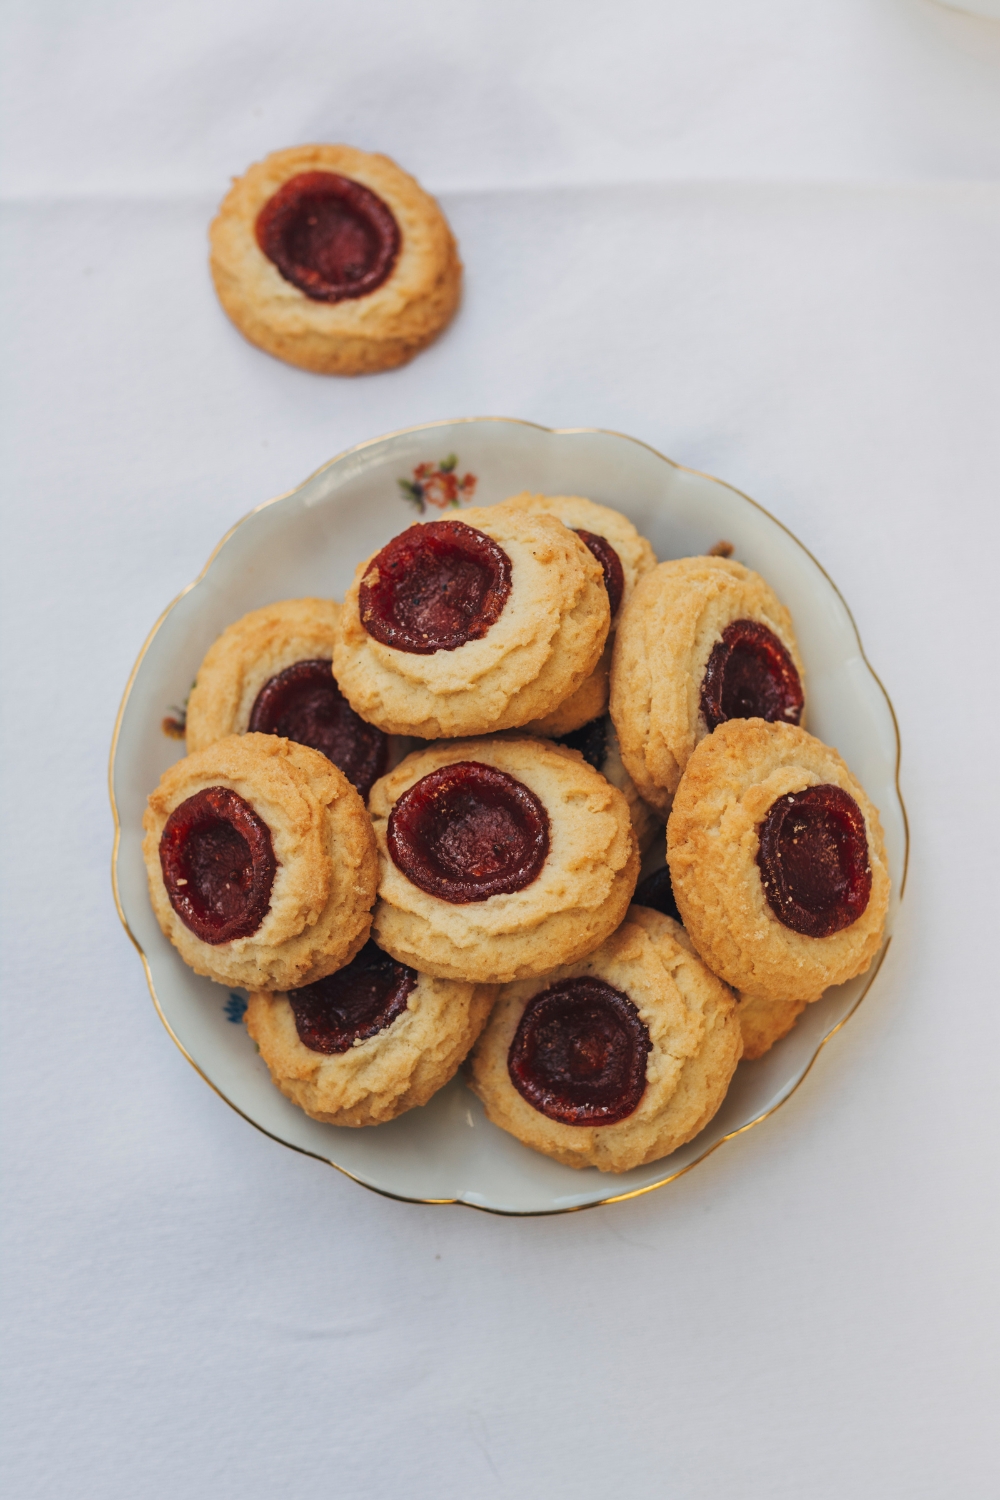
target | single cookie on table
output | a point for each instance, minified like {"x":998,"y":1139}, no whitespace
{"x":465,"y":627}
{"x":334,"y":260}
{"x":499,"y":858}
{"x":613,"y":1061}
{"x":777,"y":861}
{"x":701,"y":641}
{"x":261,"y":862}
{"x":368,"y":1042}
{"x":624,"y":557}
{"x":271,"y":672}
{"x":598,"y":744}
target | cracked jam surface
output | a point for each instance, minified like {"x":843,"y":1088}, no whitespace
{"x":611,"y":566}
{"x":354,"y":1004}
{"x":332,"y":238}
{"x":750,"y":675}
{"x":304,"y":703}
{"x":218,"y":865}
{"x":434,"y":587}
{"x":579,"y":1053}
{"x":467,"y":832}
{"x":813,"y":860}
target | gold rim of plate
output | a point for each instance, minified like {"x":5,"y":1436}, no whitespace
{"x":461,"y":1202}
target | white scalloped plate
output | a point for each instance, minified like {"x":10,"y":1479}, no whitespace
{"x":308,"y":542}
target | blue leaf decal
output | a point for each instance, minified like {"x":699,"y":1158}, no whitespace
{"x":235,"y":1008}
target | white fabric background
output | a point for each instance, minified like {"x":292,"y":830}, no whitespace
{"x":764,"y":238}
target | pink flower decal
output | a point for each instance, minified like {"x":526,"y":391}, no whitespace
{"x":440,"y":486}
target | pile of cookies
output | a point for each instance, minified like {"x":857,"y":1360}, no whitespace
{"x":411,"y":826}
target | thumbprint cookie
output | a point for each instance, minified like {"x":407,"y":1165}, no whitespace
{"x":701,"y":641}
{"x":499,"y":858}
{"x":615,"y":1060}
{"x":764,"y":1022}
{"x":589,"y":702}
{"x":624,"y":557}
{"x":623,"y":554}
{"x":777,"y":861}
{"x":368,"y":1042}
{"x":261,"y":862}
{"x":598,"y":744}
{"x":464,"y":627}
{"x":272,"y":673}
{"x":334,"y":260}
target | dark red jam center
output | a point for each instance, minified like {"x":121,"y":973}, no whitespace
{"x":657,"y":891}
{"x":750,"y":675}
{"x":611,"y":565}
{"x":304,"y":703}
{"x":468,"y":832}
{"x":813,"y":860}
{"x":434,"y":587}
{"x":591,"y":741}
{"x":329,"y":236}
{"x":579,"y":1053}
{"x":353,"y":1004}
{"x":218,"y":865}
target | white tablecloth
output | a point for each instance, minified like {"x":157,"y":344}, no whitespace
{"x":763,"y":238}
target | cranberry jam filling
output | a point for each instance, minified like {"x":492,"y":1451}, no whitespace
{"x":353,"y":1004}
{"x":813,"y":860}
{"x":304,"y":703}
{"x":657,"y":891}
{"x":591,"y":740}
{"x":611,"y":566}
{"x":579,"y":1053}
{"x":434,"y":587}
{"x":750,"y":675}
{"x":329,"y":236}
{"x":468,"y":832}
{"x":218,"y":865}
